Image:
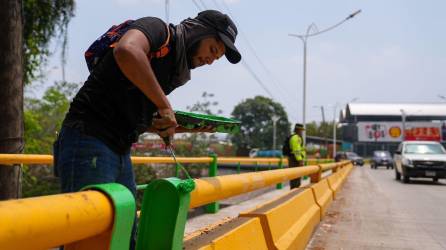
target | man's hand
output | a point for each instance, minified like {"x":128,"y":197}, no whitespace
{"x":165,"y":123}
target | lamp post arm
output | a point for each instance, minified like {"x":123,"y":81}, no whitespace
{"x":325,"y":30}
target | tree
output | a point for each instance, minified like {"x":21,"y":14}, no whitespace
{"x":323,"y":129}
{"x":257,"y":127}
{"x":23,"y":48}
{"x":43,"y":20}
{"x":11,"y":94}
{"x":44,"y":116}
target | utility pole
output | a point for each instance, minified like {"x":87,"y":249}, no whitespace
{"x":304,"y":38}
{"x":275,"y":118}
{"x":167,"y":9}
{"x":403,"y":120}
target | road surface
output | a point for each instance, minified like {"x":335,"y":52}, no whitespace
{"x":374,"y":211}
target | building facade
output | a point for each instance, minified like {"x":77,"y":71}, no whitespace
{"x":382,"y":126}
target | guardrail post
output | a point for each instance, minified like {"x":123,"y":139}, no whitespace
{"x":316,"y":177}
{"x":164,"y":213}
{"x":124,"y":214}
{"x":280,"y":185}
{"x":256,"y":166}
{"x":177,"y":170}
{"x":305,"y":164}
{"x":213,"y":208}
{"x":238,"y":168}
{"x":335,"y":169}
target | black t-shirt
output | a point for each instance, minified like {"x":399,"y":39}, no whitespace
{"x":109,"y":106}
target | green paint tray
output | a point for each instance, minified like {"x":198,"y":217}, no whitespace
{"x":206,"y":123}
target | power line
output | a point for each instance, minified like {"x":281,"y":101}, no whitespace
{"x":282,"y":91}
{"x":244,"y":63}
{"x":253,"y":74}
{"x":197,"y":5}
{"x":202,"y":3}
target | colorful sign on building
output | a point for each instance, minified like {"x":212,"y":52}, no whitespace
{"x":393,"y":131}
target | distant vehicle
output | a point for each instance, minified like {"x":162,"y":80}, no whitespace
{"x":381,"y":158}
{"x":420,"y":159}
{"x":255,"y":152}
{"x":352,"y":156}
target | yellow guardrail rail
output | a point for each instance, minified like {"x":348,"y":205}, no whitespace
{"x":32,"y":159}
{"x":212,"y":189}
{"x":51,"y":221}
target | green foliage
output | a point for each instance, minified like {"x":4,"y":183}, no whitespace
{"x":257,"y":126}
{"x":206,"y":105}
{"x":38,"y":181}
{"x":43,"y":20}
{"x":323,"y":129}
{"x":43,"y":117}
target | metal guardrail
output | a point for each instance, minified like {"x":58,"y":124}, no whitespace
{"x":212,"y":189}
{"x":34,"y":159}
{"x":92,"y":219}
{"x":44,"y":218}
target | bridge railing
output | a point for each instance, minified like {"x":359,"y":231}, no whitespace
{"x":93,"y":219}
{"x":166,"y":202}
{"x":212,"y":161}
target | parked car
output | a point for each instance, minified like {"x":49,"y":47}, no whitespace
{"x":255,"y":152}
{"x":352,"y":156}
{"x":381,"y":158}
{"x":420,"y":159}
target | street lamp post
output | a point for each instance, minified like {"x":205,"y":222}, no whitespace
{"x":323,"y":123}
{"x":403,"y":120}
{"x":334,"y":130}
{"x":304,"y":39}
{"x":275,"y":118}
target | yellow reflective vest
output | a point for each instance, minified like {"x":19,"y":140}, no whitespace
{"x":297,"y":148}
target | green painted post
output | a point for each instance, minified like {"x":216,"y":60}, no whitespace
{"x":238,"y":168}
{"x":177,"y":170}
{"x":124,"y":212}
{"x":305,"y":164}
{"x":280,"y":185}
{"x":213,"y":207}
{"x":163,"y":214}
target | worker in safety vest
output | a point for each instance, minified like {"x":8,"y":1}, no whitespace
{"x":297,"y":155}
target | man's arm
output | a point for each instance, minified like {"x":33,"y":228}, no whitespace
{"x":131,"y":56}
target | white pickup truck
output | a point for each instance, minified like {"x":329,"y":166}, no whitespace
{"x":420,"y":159}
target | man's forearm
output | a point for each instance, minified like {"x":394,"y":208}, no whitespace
{"x":134,"y":64}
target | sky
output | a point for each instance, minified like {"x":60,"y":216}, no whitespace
{"x":393,"y":51}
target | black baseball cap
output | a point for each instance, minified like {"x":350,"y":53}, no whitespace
{"x":226,"y":30}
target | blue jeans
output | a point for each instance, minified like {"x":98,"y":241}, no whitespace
{"x":81,"y":160}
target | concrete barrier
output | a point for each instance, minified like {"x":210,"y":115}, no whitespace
{"x":334,"y":182}
{"x":288,"y":222}
{"x":240,"y":233}
{"x":323,"y":195}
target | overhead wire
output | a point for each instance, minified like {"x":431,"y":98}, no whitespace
{"x":204,"y":5}
{"x":197,"y":5}
{"x":254,"y":75}
{"x":283,"y":92}
{"x":243,"y":62}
